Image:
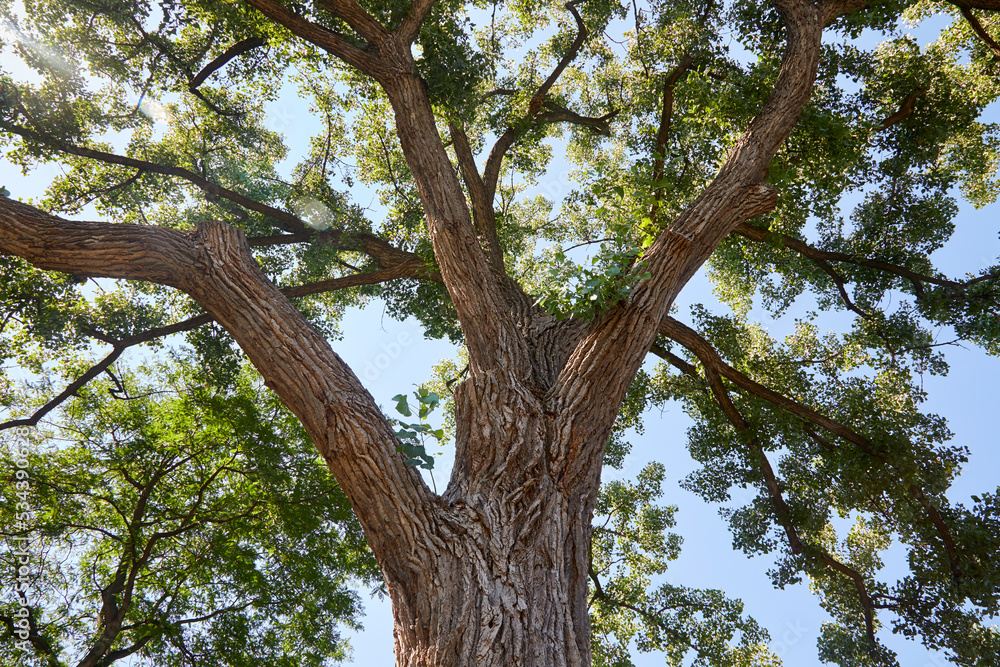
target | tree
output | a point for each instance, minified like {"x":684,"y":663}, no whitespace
{"x":187,"y":526}
{"x":685,"y":155}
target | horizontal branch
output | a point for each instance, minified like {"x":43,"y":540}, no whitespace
{"x":120,"y":346}
{"x":905,"y":110}
{"x":811,"y":252}
{"x":287,"y":220}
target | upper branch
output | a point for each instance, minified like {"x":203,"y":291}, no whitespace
{"x":355,"y":15}
{"x":492,"y":339}
{"x":483,"y":216}
{"x":610,"y":355}
{"x":410,"y":27}
{"x":326,"y":39}
{"x":978,"y":28}
{"x":233,"y":51}
{"x":491,"y":173}
{"x":288,"y":221}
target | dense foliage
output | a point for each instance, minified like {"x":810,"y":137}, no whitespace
{"x":186,"y":519}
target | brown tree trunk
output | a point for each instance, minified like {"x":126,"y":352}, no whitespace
{"x":509,"y":588}
{"x":502,"y":576}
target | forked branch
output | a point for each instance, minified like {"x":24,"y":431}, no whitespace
{"x":690,"y":339}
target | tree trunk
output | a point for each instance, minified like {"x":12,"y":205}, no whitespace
{"x":504,"y":578}
{"x":512,"y":591}
{"x":497,"y":572}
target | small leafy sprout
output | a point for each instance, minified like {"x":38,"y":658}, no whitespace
{"x":413,"y":437}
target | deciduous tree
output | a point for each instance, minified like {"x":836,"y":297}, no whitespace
{"x":684,"y":153}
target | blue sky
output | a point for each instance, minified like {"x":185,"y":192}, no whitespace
{"x":391,"y":357}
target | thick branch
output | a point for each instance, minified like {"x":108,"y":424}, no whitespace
{"x":483,"y":216}
{"x":233,"y":51}
{"x":363,"y":23}
{"x":326,"y":39}
{"x":556,"y":113}
{"x":980,"y":31}
{"x":410,"y":27}
{"x":476,"y":290}
{"x":214,"y":266}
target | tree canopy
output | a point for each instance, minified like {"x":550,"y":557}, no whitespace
{"x":196,"y":478}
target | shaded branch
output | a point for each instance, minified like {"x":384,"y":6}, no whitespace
{"x":663,"y":131}
{"x":980,"y":31}
{"x":990,"y":5}
{"x":483,"y":215}
{"x":811,"y":252}
{"x":905,"y":110}
{"x":326,"y":39}
{"x":38,"y":642}
{"x":709,"y":356}
{"x":712,"y":367}
{"x":363,"y":23}
{"x":556,"y":113}
{"x":218,"y":63}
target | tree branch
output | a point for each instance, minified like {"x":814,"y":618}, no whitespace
{"x":214,"y":266}
{"x":761,"y":235}
{"x":38,"y":642}
{"x":491,"y":172}
{"x":218,"y":63}
{"x":978,"y":28}
{"x":709,"y":356}
{"x":410,"y":27}
{"x":905,"y":110}
{"x":288,"y":221}
{"x":483,"y":215}
{"x":119,"y":346}
{"x":363,"y":23}
{"x":611,"y":353}
{"x":989,"y":5}
{"x":324,"y":38}
{"x":713,"y":367}
{"x":663,"y":132}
